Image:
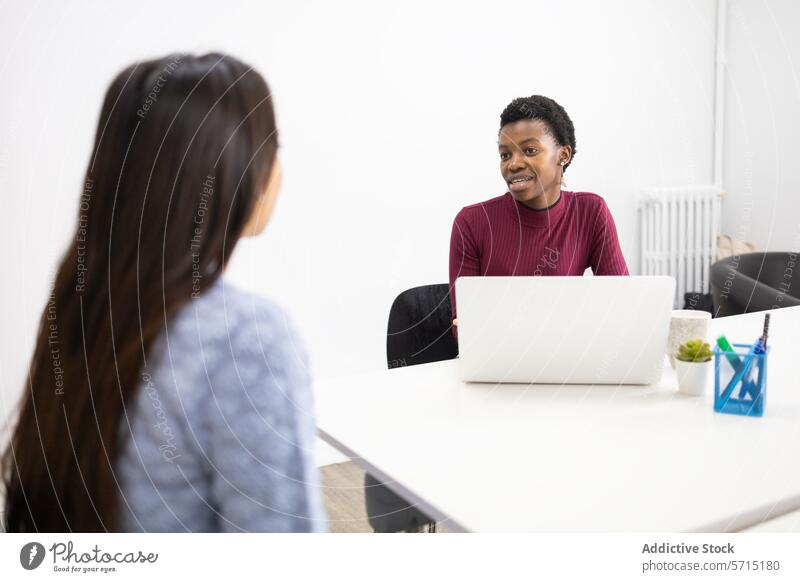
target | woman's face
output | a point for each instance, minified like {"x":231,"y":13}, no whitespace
{"x":530,"y":161}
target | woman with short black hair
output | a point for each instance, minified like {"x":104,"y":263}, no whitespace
{"x":536,"y":227}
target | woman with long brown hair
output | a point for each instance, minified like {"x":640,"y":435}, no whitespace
{"x":159,"y":397}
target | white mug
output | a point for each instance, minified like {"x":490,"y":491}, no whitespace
{"x":686,"y":324}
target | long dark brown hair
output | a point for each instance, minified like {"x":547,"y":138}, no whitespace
{"x":183,"y":151}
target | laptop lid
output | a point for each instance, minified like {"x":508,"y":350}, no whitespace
{"x":563,"y":330}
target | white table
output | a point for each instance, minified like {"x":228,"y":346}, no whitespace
{"x":787,"y":523}
{"x":486,"y":457}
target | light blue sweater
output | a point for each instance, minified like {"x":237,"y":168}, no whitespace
{"x":220,"y":435}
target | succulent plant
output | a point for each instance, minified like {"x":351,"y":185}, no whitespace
{"x":694,"y":350}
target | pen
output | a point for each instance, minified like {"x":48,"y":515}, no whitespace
{"x":730,"y":353}
{"x":740,"y":375}
{"x":760,"y":348}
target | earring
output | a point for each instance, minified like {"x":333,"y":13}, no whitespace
{"x":563,"y":162}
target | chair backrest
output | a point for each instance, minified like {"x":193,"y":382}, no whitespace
{"x":753,"y":282}
{"x":420,"y":327}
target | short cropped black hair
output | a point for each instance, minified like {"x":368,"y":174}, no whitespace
{"x":544,"y":109}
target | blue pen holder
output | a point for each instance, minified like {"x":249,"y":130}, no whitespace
{"x":740,"y":380}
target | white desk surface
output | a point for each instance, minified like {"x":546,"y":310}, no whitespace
{"x":787,"y":523}
{"x":511,"y":457}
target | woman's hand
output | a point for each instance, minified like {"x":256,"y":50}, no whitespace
{"x":455,"y":322}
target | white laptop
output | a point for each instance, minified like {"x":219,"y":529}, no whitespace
{"x":563,"y":330}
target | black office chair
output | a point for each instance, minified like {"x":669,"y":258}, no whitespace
{"x":419,"y":332}
{"x":754,"y":282}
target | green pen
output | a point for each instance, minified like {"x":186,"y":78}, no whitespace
{"x":730,"y":353}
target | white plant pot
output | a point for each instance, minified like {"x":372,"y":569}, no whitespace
{"x":693,"y":377}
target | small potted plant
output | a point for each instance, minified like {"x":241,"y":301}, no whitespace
{"x":693,"y":367}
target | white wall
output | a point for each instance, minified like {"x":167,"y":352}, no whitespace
{"x":762,"y":124}
{"x":388,"y":118}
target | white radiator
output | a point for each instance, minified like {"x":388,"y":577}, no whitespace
{"x":679,"y":228}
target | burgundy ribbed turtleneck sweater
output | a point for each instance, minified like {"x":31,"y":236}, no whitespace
{"x":504,"y":237}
